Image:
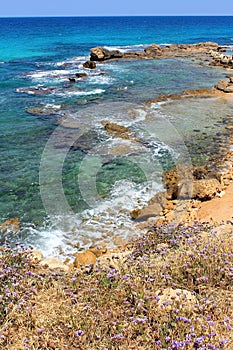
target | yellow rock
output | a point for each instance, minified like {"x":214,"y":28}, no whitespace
{"x":10,"y":224}
{"x":85,"y":258}
{"x":98,"y":251}
{"x":36,"y":255}
{"x":54,"y":263}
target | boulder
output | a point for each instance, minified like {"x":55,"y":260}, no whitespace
{"x":98,"y":251}
{"x":72,"y":80}
{"x":84,"y":259}
{"x":160,"y":198}
{"x":89,"y":65}
{"x":204,"y":189}
{"x":230,"y":77}
{"x":54,"y":263}
{"x":146,"y":212}
{"x":102,"y":54}
{"x":114,"y":260}
{"x":224,"y":86}
{"x":169,"y":299}
{"x":10,"y":225}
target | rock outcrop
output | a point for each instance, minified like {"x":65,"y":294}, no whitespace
{"x":221,"y":59}
{"x":157,"y":51}
{"x":102,"y":54}
{"x":204,"y":189}
{"x":153,"y":50}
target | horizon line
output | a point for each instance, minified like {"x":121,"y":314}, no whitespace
{"x":94,"y":16}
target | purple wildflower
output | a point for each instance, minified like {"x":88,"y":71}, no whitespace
{"x":79,"y":333}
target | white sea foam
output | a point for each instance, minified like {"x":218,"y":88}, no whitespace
{"x":79,"y":93}
{"x":127,"y":48}
{"x":58,"y":75}
{"x":53,"y":106}
{"x":73,"y":60}
{"x":101,"y":79}
{"x":108,"y":218}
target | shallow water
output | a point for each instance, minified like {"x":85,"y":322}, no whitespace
{"x":68,"y":180}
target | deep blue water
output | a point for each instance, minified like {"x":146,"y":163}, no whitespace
{"x":59,"y":37}
{"x":44,"y":52}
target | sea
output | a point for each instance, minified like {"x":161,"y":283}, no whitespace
{"x":70,"y":183}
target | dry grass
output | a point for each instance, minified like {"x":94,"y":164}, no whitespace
{"x":174,"y":291}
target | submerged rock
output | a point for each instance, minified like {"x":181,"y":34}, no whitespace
{"x":43,"y":111}
{"x":40,"y":90}
{"x":119,"y":131}
{"x":89,"y":65}
{"x":86,"y":141}
{"x":81,"y":75}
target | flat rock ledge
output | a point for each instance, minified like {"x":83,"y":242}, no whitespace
{"x":224,"y":88}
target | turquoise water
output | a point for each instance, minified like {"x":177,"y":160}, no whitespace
{"x":64,"y":177}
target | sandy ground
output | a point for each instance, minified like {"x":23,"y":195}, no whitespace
{"x":218,"y":209}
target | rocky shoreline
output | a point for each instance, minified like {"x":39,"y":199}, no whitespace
{"x":183,"y":195}
{"x":207,"y":51}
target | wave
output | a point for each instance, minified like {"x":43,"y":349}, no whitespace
{"x":52,"y":106}
{"x":105,"y":222}
{"x":79,"y":93}
{"x":127,"y":48}
{"x":72,"y":61}
{"x":47,"y":75}
{"x":101,"y":79}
